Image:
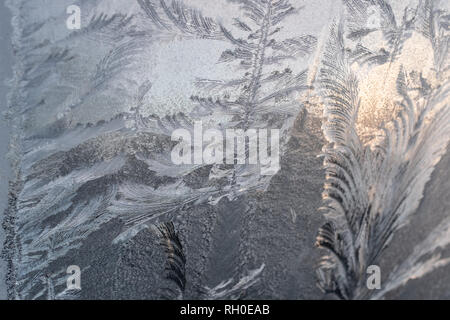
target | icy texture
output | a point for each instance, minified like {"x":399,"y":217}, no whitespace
{"x":92,"y":112}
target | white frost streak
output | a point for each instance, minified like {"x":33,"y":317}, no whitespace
{"x":226,"y":289}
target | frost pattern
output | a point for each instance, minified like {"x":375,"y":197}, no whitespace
{"x":372,"y":188}
{"x":93,"y":149}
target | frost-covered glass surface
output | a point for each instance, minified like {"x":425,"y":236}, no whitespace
{"x":357,"y":89}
